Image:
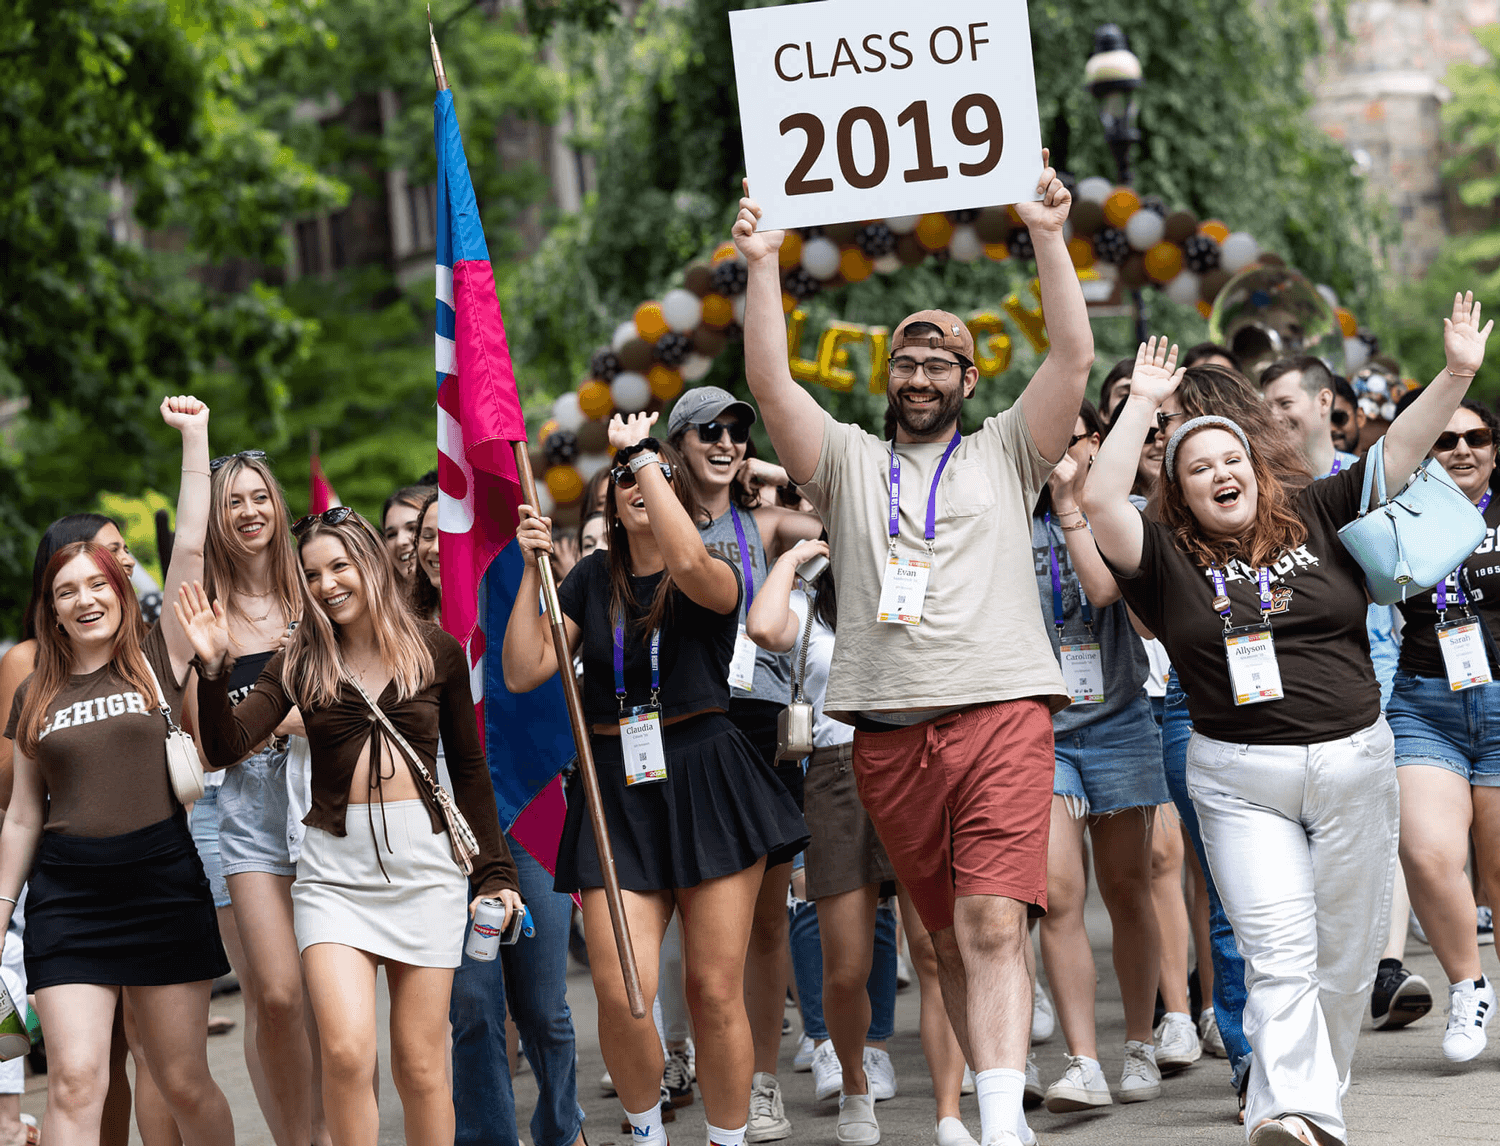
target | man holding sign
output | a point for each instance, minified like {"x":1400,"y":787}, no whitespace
{"x":943,"y":662}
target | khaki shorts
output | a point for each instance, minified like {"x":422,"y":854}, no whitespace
{"x":844,"y":853}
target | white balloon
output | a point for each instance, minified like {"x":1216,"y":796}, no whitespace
{"x":695,"y":366}
{"x":1184,"y":288}
{"x":1145,"y":229}
{"x":965,"y":245}
{"x":1331,"y":298}
{"x":738,"y":302}
{"x":682,"y":309}
{"x":888,"y":264}
{"x":820,"y":258}
{"x":590,"y":464}
{"x":568,"y":413}
{"x":903,"y":224}
{"x":630,"y":391}
{"x":1356,"y":353}
{"x":1106,"y":270}
{"x":624,"y":333}
{"x":1238,"y":251}
{"x":1094,"y":189}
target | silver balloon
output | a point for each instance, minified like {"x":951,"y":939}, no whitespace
{"x":1267,"y":313}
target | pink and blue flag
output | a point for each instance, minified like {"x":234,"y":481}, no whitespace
{"x":527,"y":736}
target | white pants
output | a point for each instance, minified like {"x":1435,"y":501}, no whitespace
{"x":1301,"y":841}
{"x":13,"y":974}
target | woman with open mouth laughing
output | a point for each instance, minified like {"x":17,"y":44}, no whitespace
{"x":1291,"y":765}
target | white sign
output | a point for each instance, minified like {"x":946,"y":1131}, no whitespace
{"x":878,"y":108}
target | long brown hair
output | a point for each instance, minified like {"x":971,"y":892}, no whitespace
{"x":1277,"y":529}
{"x":226,"y":556}
{"x":621,"y":595}
{"x":54,"y":653}
{"x":314,"y":665}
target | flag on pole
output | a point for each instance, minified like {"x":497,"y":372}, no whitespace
{"x":322,"y":495}
{"x":528,"y":739}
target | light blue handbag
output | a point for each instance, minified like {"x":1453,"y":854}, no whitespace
{"x":1410,"y":542}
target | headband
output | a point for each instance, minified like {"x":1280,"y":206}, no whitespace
{"x":1201,"y":423}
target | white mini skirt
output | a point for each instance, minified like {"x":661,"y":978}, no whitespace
{"x":389,"y":887}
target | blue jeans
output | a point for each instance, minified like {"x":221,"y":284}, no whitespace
{"x":532,"y":978}
{"x":1457,"y":731}
{"x":807,"y":965}
{"x":1229,"y":966}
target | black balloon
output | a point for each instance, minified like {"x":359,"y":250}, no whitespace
{"x":1111,"y":245}
{"x":672,"y":348}
{"x":560,"y":448}
{"x":730,"y":277}
{"x":604,"y":365}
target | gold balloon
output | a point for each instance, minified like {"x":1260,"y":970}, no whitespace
{"x":594,"y":399}
{"x":803,"y":369}
{"x":833,"y":359}
{"x":1033,"y":325}
{"x":992,"y":346}
{"x":790,"y":254}
{"x":564,"y":483}
{"x":665,"y":382}
{"x":880,"y":358}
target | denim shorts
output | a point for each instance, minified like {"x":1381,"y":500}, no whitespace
{"x":204,"y":826}
{"x":1459,"y":731}
{"x":253,"y":816}
{"x":1114,"y":764}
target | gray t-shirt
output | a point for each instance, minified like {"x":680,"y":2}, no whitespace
{"x":1121,"y":650}
{"x":773,"y":671}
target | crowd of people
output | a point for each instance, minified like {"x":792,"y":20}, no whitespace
{"x":914,"y":688}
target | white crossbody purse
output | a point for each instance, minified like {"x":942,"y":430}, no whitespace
{"x":184,"y":769}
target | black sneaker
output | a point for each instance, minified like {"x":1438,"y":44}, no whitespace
{"x":679,"y":1076}
{"x":1400,"y":998}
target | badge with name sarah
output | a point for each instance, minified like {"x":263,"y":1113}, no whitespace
{"x":640,"y":740}
{"x":1464,"y":656}
{"x":903,"y":590}
{"x":1254,"y":675}
{"x":1083,"y":671}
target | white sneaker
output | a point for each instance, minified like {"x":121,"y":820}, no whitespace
{"x":968,"y":1085}
{"x":606,"y":1083}
{"x":1032,"y":1096}
{"x":1208,"y":1034}
{"x":1004,"y":1138}
{"x":768,"y":1120}
{"x":1177,"y":1045}
{"x":1043,"y":1018}
{"x":1414,"y":927}
{"x":1081,"y":1087}
{"x":803,"y":1062}
{"x":951,"y":1132}
{"x":904,"y":973}
{"x":857,"y":1125}
{"x":1140,"y":1079}
{"x":1469,"y":1011}
{"x":1486,"y":927}
{"x":827,"y":1071}
{"x":881,"y":1074}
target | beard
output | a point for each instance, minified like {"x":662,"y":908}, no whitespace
{"x":921,"y":423}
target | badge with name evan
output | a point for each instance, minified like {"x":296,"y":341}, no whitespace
{"x":640,"y":739}
{"x":903,"y":590}
{"x":1464,"y":656}
{"x":1254,"y":675}
{"x":742,"y":664}
{"x":1083,"y":671}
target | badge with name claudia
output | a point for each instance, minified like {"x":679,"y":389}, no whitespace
{"x":640,"y":725}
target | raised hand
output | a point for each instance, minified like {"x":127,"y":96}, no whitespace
{"x":1463,"y":340}
{"x":1156,"y":371}
{"x":535,"y":533}
{"x":1051,"y":211}
{"x":1066,"y":484}
{"x":183,"y":412}
{"x":626,"y":432}
{"x":754,"y":245}
{"x":805,"y":550}
{"x":205,"y":624}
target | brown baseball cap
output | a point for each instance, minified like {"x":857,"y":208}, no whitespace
{"x":956,"y":336}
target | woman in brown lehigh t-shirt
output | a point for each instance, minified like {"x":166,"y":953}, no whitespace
{"x":117,"y":898}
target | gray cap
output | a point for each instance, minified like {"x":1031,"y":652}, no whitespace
{"x":704,"y":404}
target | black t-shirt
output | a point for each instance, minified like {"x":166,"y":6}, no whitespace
{"x":245,"y":673}
{"x":696,"y":645}
{"x":1317,"y":617}
{"x":1419,"y":642}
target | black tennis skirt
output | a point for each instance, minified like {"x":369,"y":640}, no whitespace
{"x":132,"y":910}
{"x":719,"y":810}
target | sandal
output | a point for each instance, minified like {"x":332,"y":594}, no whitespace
{"x":1244,"y":1091}
{"x":1288,"y":1130}
{"x":220,"y":1024}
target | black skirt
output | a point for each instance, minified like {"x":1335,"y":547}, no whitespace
{"x":718,"y":811}
{"x":132,"y":910}
{"x":760,"y":721}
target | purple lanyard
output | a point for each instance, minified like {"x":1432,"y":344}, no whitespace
{"x":1458,"y":589}
{"x":620,"y":665}
{"x":749,"y":571}
{"x":1221,"y":603}
{"x":1338,"y":464}
{"x":1058,"y":616}
{"x":931,"y":493}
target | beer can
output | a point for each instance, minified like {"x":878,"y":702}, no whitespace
{"x":14,"y":1039}
{"x":484,"y":935}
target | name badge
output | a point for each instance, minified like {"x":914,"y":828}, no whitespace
{"x":742,"y":664}
{"x":640,"y":739}
{"x":1254,"y":675}
{"x":1083,"y":671}
{"x":1464,"y":657}
{"x":903,"y":590}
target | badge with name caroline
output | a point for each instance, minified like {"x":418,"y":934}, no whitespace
{"x":1254,"y":675}
{"x":742,"y":664}
{"x":1082,"y":660}
{"x":640,"y":725}
{"x":1461,"y":641}
{"x":904,"y":588}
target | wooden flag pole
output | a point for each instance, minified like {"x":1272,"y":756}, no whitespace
{"x":592,"y":797}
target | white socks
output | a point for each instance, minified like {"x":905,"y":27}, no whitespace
{"x":999,"y":1091}
{"x":647,"y":1128}
{"x":717,"y":1136}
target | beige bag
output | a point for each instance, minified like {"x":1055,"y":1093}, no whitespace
{"x":184,"y":769}
{"x":794,"y":727}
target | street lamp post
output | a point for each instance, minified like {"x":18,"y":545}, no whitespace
{"x":1113,"y":76}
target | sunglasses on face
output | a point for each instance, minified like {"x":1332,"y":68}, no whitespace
{"x":624,"y":479}
{"x":711,"y":432}
{"x":1164,"y":420}
{"x":1075,"y":439}
{"x":248,"y":455}
{"x":936,"y":369}
{"x":335,"y":516}
{"x":1152,"y":433}
{"x":1476,"y":439}
{"x":1339,"y":418}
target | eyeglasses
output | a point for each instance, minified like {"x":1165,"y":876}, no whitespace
{"x":335,"y":516}
{"x":1476,"y":439}
{"x":625,"y":479}
{"x":1075,"y":439}
{"x":936,"y":369}
{"x":1164,"y":420}
{"x":711,"y":432}
{"x":248,"y":455}
{"x":1339,"y":418}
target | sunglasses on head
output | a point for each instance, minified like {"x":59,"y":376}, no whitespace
{"x":711,"y":432}
{"x":335,"y":516}
{"x":248,"y":455}
{"x":1476,"y":439}
{"x":625,"y":479}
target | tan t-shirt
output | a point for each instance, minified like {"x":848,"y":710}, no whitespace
{"x":982,"y":637}
{"x":103,"y":754}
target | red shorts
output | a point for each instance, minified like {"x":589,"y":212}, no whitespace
{"x":963,"y":804}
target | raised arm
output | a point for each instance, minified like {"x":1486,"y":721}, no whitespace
{"x":1050,"y":400}
{"x":771,"y":624}
{"x":794,"y":420}
{"x":15,"y":666}
{"x":781,"y":528}
{"x":1410,"y":437}
{"x":528,"y":657}
{"x":1116,"y":524}
{"x":1066,"y":484}
{"x":23,"y":831}
{"x":190,"y":416}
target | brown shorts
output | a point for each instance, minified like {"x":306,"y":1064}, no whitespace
{"x":844,"y":853}
{"x":963,"y":804}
